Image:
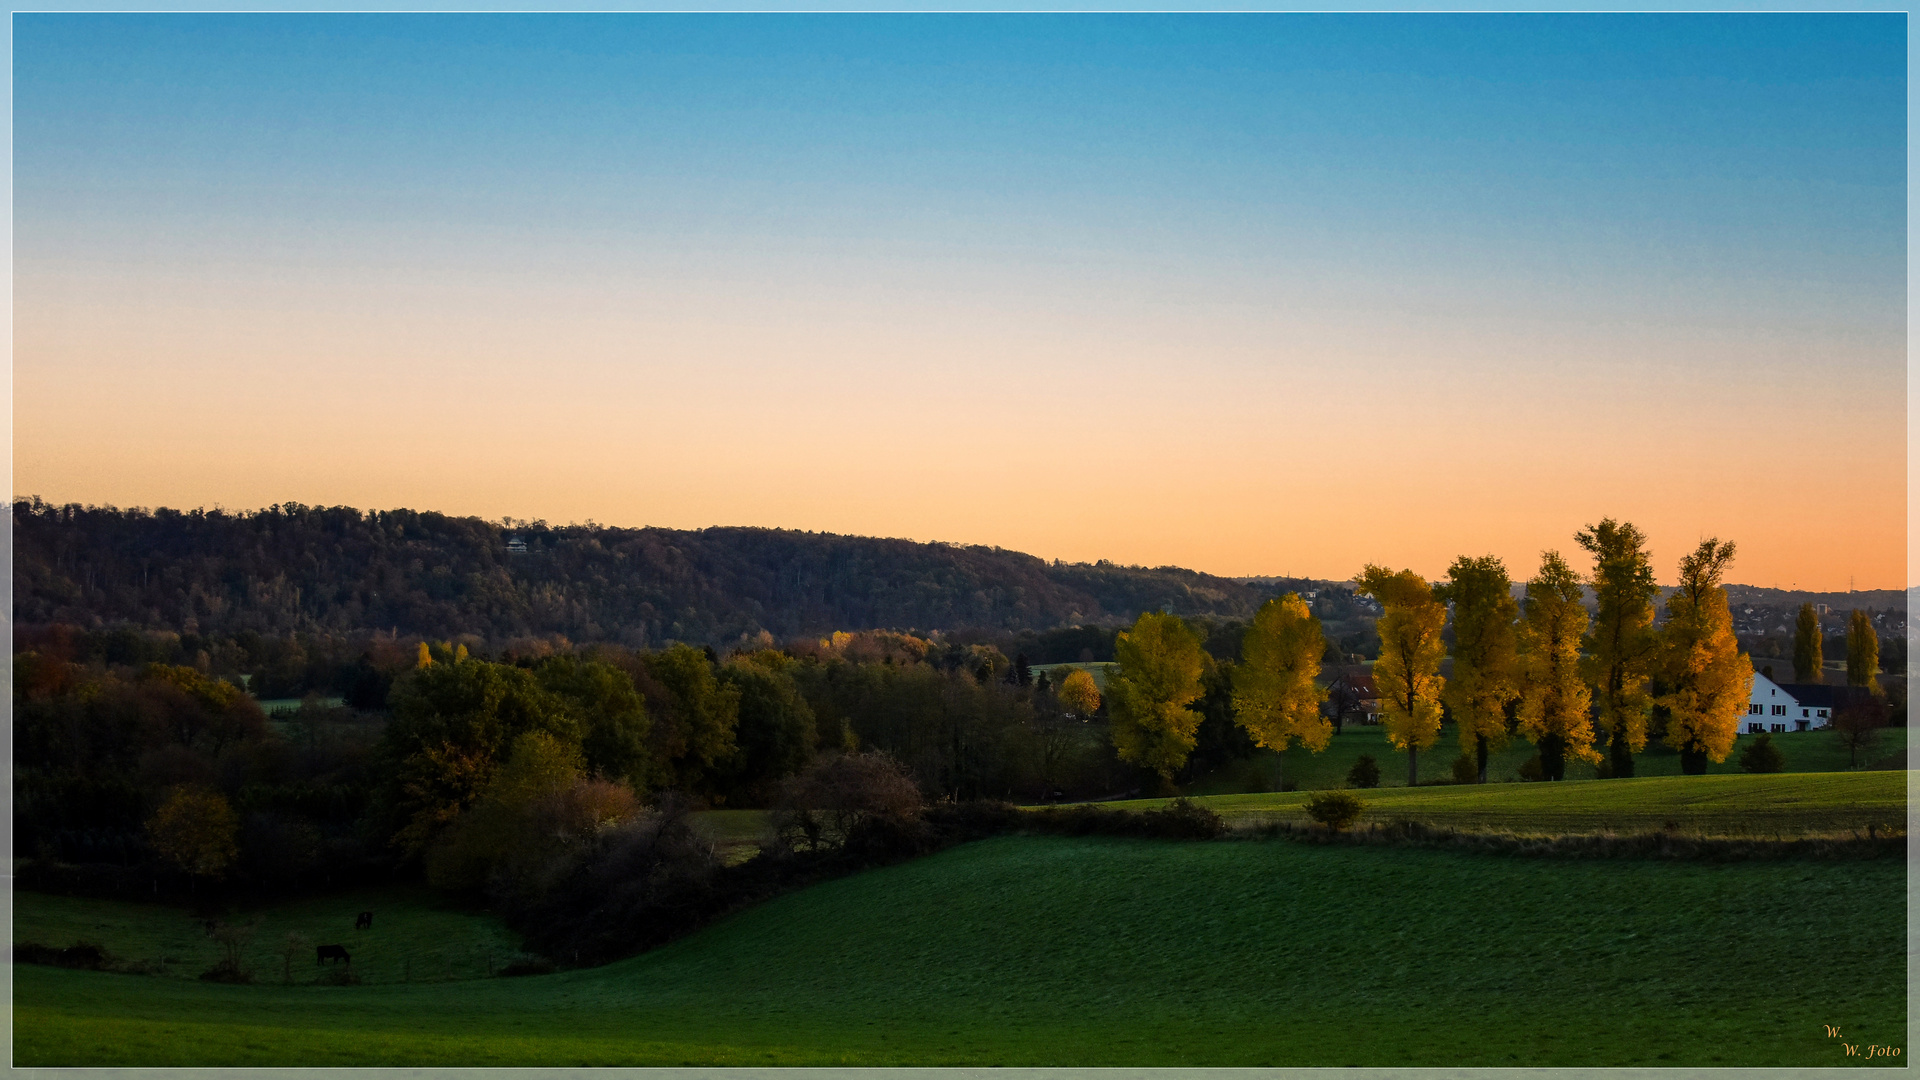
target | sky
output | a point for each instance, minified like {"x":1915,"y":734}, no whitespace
{"x":1252,"y":294}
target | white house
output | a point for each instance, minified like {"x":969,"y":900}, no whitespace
{"x":1773,"y":707}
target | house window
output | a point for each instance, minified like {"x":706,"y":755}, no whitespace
{"x":1820,"y":712}
{"x":1779,"y":710}
{"x":1754,"y":729}
{"x":1756,"y":708}
{"x":1780,"y":727}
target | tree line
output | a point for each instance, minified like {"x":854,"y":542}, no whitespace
{"x":293,"y":569}
{"x":1580,"y":685}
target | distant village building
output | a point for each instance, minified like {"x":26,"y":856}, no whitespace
{"x":516,"y":546}
{"x":1353,"y":693}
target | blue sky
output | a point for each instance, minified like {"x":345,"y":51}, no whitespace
{"x":1196,"y":223}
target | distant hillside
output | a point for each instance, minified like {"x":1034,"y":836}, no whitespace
{"x":296,"y":568}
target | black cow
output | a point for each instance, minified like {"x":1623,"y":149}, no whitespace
{"x":331,"y":952}
{"x":364,"y":922}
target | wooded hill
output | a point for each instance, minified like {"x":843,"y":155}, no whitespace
{"x":293,"y":568}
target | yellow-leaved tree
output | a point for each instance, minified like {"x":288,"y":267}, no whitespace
{"x":1079,"y":695}
{"x":1157,"y":677}
{"x":1623,"y":649}
{"x":1486,"y":674}
{"x":195,"y":829}
{"x":1407,"y":675}
{"x":1710,"y":678}
{"x":1554,"y":697}
{"x":1274,"y":696}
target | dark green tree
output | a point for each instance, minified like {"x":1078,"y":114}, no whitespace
{"x":1806,"y":646}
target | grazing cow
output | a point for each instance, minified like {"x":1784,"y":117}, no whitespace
{"x":331,"y":952}
{"x":364,"y":922}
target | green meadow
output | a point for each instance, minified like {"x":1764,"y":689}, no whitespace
{"x":1778,"y":804}
{"x":1091,"y":951}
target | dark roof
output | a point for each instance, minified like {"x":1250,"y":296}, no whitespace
{"x":1825,"y":696}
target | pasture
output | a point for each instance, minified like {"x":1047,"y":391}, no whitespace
{"x":1779,"y":804}
{"x":416,"y":935}
{"x":1063,"y":951}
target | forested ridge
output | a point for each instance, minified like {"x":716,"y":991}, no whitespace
{"x":292,"y":568}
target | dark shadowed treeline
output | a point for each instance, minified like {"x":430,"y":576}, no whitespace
{"x":299,"y":569}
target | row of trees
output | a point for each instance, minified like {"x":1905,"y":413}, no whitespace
{"x":1548,"y":670}
{"x":1863,"y":648}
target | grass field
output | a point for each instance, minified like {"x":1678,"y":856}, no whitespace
{"x":1057,"y":951}
{"x":1785,"y":804}
{"x":414,"y":935}
{"x":1805,"y":751}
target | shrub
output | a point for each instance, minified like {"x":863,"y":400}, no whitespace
{"x":841,"y":794}
{"x":1465,"y":770}
{"x":1761,"y":756}
{"x":1532,"y":770}
{"x":1365,"y":772}
{"x":1334,"y":809}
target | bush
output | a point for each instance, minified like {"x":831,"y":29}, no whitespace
{"x":1365,"y":772}
{"x":842,"y":795}
{"x":1465,"y":770}
{"x":1334,"y":809}
{"x":1532,"y":770}
{"x":1761,"y":756}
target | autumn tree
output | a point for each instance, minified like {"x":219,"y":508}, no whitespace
{"x":1158,"y":676}
{"x":1407,"y":675}
{"x":1623,"y":648}
{"x":1710,"y":679}
{"x":1079,"y":695}
{"x":1486,"y":664}
{"x":1807,"y":660}
{"x":1554,"y":696}
{"x":195,"y":829}
{"x":1863,"y":652}
{"x":1275,"y":697}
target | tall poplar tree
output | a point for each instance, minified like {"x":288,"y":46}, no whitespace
{"x":1274,"y":696}
{"x":1623,"y":648}
{"x":1407,"y":675}
{"x":1711,"y":679}
{"x":1863,"y":652}
{"x":1160,"y":661}
{"x":1807,"y":660}
{"x":1486,"y":673}
{"x":1554,"y":698}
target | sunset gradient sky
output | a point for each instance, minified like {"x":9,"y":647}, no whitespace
{"x":1262,"y":294}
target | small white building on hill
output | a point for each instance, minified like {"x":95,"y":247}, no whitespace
{"x":1793,"y":707}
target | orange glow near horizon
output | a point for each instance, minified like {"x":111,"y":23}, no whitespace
{"x":1235,"y":451}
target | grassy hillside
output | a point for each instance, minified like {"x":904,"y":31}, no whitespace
{"x":1056,"y":951}
{"x":1805,"y":751}
{"x":1791,"y":804}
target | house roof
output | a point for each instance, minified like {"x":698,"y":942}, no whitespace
{"x":1823,"y":696}
{"x":1361,"y":684}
